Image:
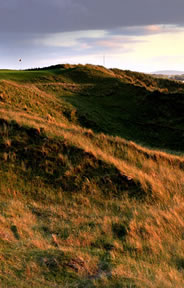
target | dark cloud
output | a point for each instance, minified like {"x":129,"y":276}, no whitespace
{"x":49,"y":16}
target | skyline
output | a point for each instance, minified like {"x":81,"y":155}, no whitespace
{"x":142,"y":36}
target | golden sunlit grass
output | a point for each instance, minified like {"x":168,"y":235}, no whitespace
{"x":80,"y":208}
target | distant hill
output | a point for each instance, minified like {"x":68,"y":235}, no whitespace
{"x":168,"y":72}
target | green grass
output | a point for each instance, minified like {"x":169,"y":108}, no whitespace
{"x":85,"y":209}
{"x":27,"y":76}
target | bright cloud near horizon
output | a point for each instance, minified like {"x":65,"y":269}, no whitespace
{"x":142,"y":35}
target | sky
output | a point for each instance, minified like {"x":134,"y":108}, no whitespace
{"x":139,"y":35}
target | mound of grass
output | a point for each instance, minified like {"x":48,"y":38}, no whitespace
{"x":132,"y":105}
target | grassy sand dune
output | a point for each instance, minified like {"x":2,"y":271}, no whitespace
{"x":79,"y":205}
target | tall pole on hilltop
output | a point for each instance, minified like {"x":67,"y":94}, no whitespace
{"x":103,"y":60}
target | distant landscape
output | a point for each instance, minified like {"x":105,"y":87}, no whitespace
{"x":170,"y":74}
{"x":91,"y":178}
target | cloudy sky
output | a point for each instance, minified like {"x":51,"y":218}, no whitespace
{"x":140,"y":35}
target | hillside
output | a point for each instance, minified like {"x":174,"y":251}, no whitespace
{"x":131,"y":105}
{"x":83,"y":201}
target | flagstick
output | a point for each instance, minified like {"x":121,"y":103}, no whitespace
{"x":20,"y":61}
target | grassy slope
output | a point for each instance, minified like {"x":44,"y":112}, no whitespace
{"x":134,"y":106}
{"x":80,"y":209}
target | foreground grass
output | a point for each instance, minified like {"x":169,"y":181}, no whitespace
{"x":74,"y":215}
{"x":81,"y":209}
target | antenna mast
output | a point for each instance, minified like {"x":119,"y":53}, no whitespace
{"x":103,"y":60}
